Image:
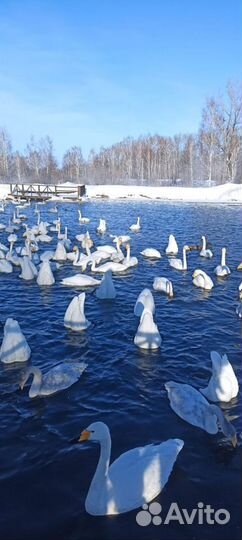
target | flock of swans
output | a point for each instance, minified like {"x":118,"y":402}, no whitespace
{"x":115,"y":488}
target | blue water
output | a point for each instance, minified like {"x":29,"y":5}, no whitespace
{"x":43,"y":478}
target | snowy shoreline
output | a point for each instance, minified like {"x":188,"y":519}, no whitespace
{"x":222,"y":194}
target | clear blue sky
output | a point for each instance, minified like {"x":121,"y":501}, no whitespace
{"x":90,"y":72}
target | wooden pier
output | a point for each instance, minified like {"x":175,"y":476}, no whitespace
{"x":43,"y":192}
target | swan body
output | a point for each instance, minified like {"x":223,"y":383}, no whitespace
{"x":239,"y":267}
{"x":222,"y":269}
{"x":223,"y":385}
{"x":162,"y":284}
{"x":129,"y":261}
{"x":28,"y":269}
{"x":116,"y":268}
{"x":144,"y":300}
{"x":172,"y":248}
{"x":102,"y":227}
{"x":80,"y":280}
{"x":74,"y":316}
{"x":191,"y":406}
{"x":136,"y":226}
{"x":56,"y":379}
{"x":60,"y":252}
{"x":151,"y":253}
{"x":14,"y":346}
{"x":207,"y":253}
{"x":147,"y":335}
{"x":106,"y":290}
{"x":5,"y":266}
{"x":83,"y":219}
{"x":45,"y":275}
{"x":180,"y":264}
{"x":135,"y":477}
{"x":202,"y":280}
{"x":109,"y":249}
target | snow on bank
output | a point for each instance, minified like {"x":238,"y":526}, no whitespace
{"x":226,"y":193}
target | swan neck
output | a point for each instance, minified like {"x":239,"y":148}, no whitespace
{"x":37,"y":381}
{"x":184,"y":259}
{"x":204,"y":243}
{"x":104,"y":460}
{"x":223,"y":258}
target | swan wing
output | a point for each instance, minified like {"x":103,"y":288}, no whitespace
{"x":139,"y":475}
{"x":191,"y":406}
{"x":61,"y":377}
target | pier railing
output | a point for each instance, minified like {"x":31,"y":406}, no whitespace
{"x":47,"y":191}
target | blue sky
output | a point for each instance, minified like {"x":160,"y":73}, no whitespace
{"x":91,"y":72}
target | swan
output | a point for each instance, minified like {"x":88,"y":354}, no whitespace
{"x":118,"y":256}
{"x":240,"y":290}
{"x":80,"y":280}
{"x":83,"y":219}
{"x":5,"y":266}
{"x":151,"y":253}
{"x":56,"y":379}
{"x":136,"y":226}
{"x":222,"y":269}
{"x":192,"y":407}
{"x":45,"y":275}
{"x":53,"y":209}
{"x":14,"y":346}
{"x":109,"y":249}
{"x":129,"y":261}
{"x":204,"y":251}
{"x":147,"y":335}
{"x":162,"y":284}
{"x":2,"y":227}
{"x":172,"y":248}
{"x":135,"y":477}
{"x":115,"y":267}
{"x":239,"y":267}
{"x":60,"y":252}
{"x":123,"y":239}
{"x":102,"y":227}
{"x":179,"y":264}
{"x":74,"y":316}
{"x":223,"y":385}
{"x":29,"y":270}
{"x":144,"y":300}
{"x":3,"y":247}
{"x":106,"y":290}
{"x":202,"y":280}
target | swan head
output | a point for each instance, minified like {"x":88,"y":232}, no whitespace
{"x":97,"y":431}
{"x":186,"y":248}
{"x":197,"y":272}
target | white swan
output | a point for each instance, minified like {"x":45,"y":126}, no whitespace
{"x":83,"y":219}
{"x":136,"y":226}
{"x":28,"y":269}
{"x":151,"y":253}
{"x":239,"y":267}
{"x":5,"y":266}
{"x":129,"y":261}
{"x":192,"y":407}
{"x":204,"y":251}
{"x":134,"y":478}
{"x":172,"y":248}
{"x":179,"y":264}
{"x":222,"y":269}
{"x":106,"y":290}
{"x":202,"y":280}
{"x":80,"y":280}
{"x":240,"y":290}
{"x":239,"y":311}
{"x":147,"y":335}
{"x":14,"y":346}
{"x":118,"y":256}
{"x":102,"y":227}
{"x":116,"y":268}
{"x":162,"y":284}
{"x":45,"y":275}
{"x":109,"y":249}
{"x":223,"y":385}
{"x":74,"y":316}
{"x":144,"y":300}
{"x":60,"y":252}
{"x":58,"y":378}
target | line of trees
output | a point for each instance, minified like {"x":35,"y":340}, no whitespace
{"x":214,"y":154}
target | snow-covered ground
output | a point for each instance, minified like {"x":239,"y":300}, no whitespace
{"x":226,"y":193}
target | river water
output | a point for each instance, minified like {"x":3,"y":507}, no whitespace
{"x":44,"y":479}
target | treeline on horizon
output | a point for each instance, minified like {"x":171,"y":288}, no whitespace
{"x":214,"y":154}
